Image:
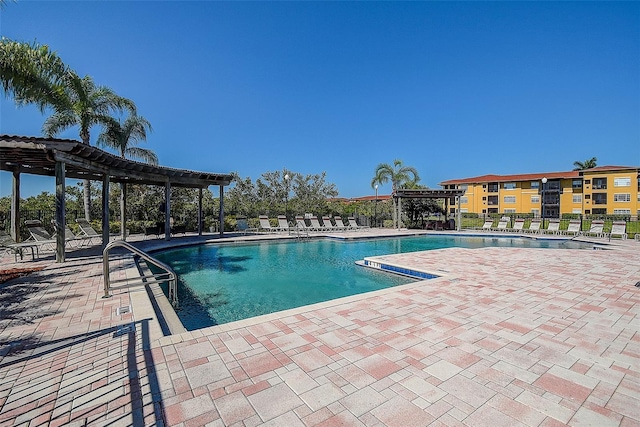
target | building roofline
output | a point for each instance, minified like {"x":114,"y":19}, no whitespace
{"x":535,"y":176}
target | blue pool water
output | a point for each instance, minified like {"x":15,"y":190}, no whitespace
{"x":224,"y":283}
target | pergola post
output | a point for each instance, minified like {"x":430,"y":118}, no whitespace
{"x":459,"y":221}
{"x":221,"y":213}
{"x":200,"y":218}
{"x":105,"y":210}
{"x":60,"y":211}
{"x":123,"y":210}
{"x":399,"y":215}
{"x":167,"y":211}
{"x":15,"y":207}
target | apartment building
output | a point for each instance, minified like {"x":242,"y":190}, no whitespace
{"x":603,"y":190}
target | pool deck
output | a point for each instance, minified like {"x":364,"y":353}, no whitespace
{"x":505,"y":337}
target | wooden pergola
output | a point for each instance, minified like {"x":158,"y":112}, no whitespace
{"x":426,"y":193}
{"x":65,"y":158}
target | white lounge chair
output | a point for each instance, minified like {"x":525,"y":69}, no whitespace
{"x":596,"y":229}
{"x":315,"y":224}
{"x":573,"y":228}
{"x":502,"y":224}
{"x":340,"y":223}
{"x":326,"y":220}
{"x":553,"y":227}
{"x":283,"y":224}
{"x":301,"y":224}
{"x":518,"y":225}
{"x":354,"y":224}
{"x":487,"y":226}
{"x":619,"y":228}
{"x":265,"y":225}
{"x":534,"y":226}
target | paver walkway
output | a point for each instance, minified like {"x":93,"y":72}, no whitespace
{"x":507,"y":336}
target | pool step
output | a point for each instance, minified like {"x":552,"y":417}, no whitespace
{"x":390,"y":268}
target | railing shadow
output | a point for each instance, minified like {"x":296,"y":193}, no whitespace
{"x":90,"y":378}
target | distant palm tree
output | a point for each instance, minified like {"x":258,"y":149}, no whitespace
{"x":399,"y":175}
{"x":124,"y":136}
{"x":587,"y":164}
{"x":85,"y":105}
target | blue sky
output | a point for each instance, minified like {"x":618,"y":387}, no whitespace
{"x":454,"y":89}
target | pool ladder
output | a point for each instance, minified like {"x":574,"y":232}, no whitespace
{"x":167,"y":275}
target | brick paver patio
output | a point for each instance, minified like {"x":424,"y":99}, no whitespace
{"x":506,"y":337}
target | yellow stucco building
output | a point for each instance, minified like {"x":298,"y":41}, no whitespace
{"x":603,"y":190}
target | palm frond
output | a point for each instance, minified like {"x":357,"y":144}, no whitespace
{"x":144,"y":154}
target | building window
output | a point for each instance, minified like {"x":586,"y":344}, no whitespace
{"x":509,"y":199}
{"x":535,"y":212}
{"x":535,"y":185}
{"x":622,"y":182}
{"x":587,"y":196}
{"x":484,"y":198}
{"x":599,"y":198}
{"x":464,"y":210}
{"x":493,"y":188}
{"x":464,"y":200}
{"x":509,"y":185}
{"x":552,"y":185}
{"x":622,"y":211}
{"x":621,"y":197}
{"x":510,"y":211}
{"x":599,"y":211}
{"x":576,"y":184}
{"x":535,"y":199}
{"x":587,"y":181}
{"x":576,"y":210}
{"x":599,"y":183}
{"x":492,"y":200}
{"x":464,"y":187}
{"x":577,"y":198}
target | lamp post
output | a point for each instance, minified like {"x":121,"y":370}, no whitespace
{"x":375,"y":209}
{"x":544,"y":184}
{"x":286,"y":196}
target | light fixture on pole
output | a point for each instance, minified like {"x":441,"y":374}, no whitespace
{"x":286,"y":196}
{"x":375,"y":209}
{"x":542,"y":190}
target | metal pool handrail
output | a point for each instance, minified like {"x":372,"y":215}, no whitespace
{"x":169,"y":274}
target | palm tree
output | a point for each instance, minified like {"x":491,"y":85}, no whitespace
{"x":85,"y":105}
{"x":399,"y":175}
{"x":33,"y":74}
{"x":587,"y":164}
{"x":124,"y":136}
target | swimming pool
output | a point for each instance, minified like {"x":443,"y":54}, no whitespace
{"x":223,"y":283}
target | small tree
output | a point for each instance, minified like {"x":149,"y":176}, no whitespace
{"x":399,"y":175}
{"x":587,"y":164}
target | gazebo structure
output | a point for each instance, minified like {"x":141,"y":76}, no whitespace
{"x":65,"y":158}
{"x":427,"y":193}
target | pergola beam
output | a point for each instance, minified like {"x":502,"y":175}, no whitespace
{"x":65,"y":158}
